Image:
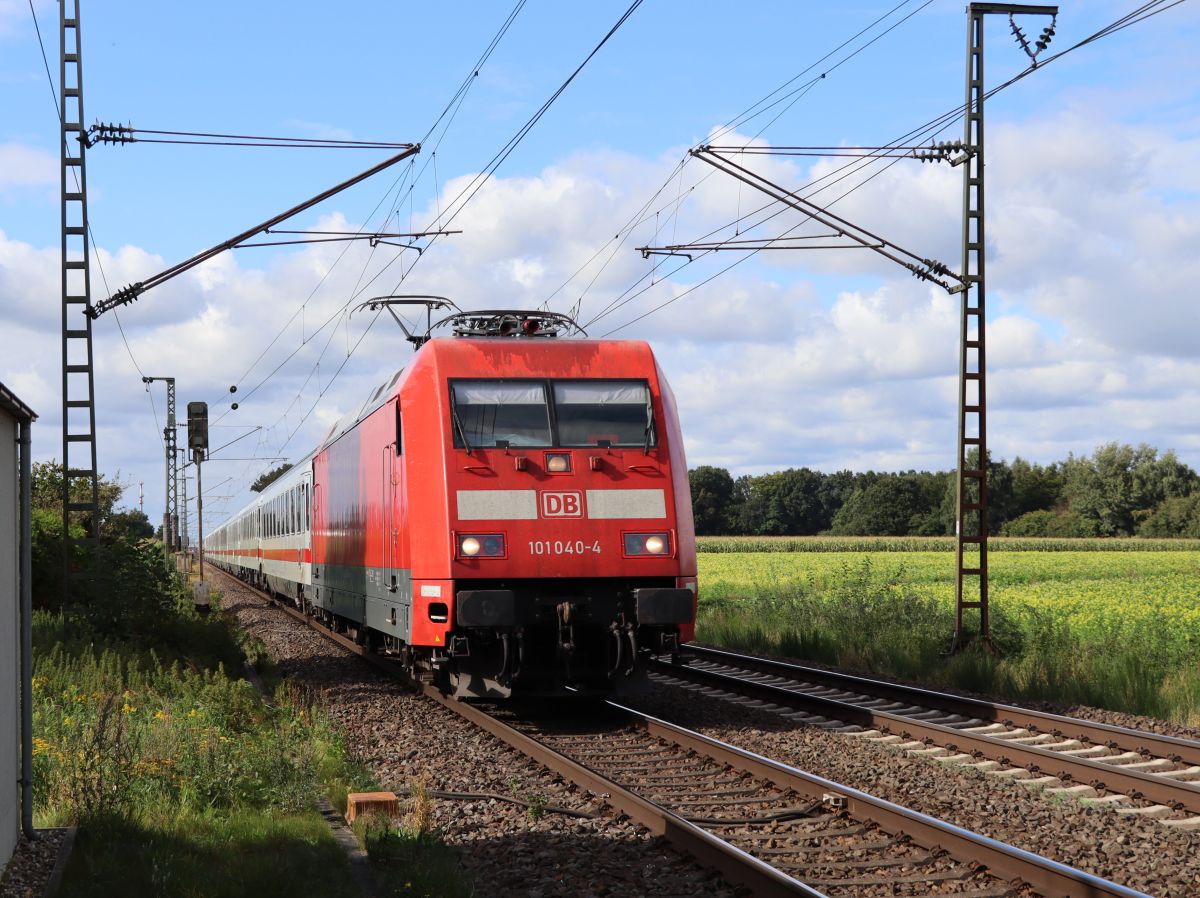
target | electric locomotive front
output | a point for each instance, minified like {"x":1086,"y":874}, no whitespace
{"x":568,"y":549}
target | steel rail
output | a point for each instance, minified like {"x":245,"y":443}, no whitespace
{"x":1183,"y":751}
{"x":1111,"y":777}
{"x":740,"y":867}
{"x":1048,"y":876}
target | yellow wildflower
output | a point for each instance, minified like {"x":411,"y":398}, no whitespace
{"x":160,"y":715}
{"x":40,"y":746}
{"x":192,"y":713}
{"x":127,"y":708}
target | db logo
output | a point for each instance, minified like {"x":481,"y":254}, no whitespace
{"x":562,"y":505}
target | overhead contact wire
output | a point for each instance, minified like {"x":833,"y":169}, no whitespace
{"x":936,"y":125}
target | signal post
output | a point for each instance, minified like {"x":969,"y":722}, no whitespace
{"x":198,"y":443}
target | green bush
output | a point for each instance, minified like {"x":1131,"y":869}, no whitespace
{"x":1052,"y":524}
{"x":1175,"y":517}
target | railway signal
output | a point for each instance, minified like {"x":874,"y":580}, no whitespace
{"x":198,"y":443}
{"x":198,"y":429}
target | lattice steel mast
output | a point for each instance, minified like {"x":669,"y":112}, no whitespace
{"x":971,"y":527}
{"x":78,"y":382}
{"x":171,"y":490}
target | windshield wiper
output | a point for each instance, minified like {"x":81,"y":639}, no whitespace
{"x":649,"y":423}
{"x":458,"y":425}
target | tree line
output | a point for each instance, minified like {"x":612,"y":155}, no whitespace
{"x":1119,"y":490}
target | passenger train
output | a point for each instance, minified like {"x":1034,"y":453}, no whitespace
{"x":508,"y":514}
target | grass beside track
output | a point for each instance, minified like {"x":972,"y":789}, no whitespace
{"x":1113,"y":629}
{"x":183,"y":781}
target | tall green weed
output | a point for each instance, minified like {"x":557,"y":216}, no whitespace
{"x":857,"y":616}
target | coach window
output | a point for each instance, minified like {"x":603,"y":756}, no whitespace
{"x":594,"y":412}
{"x":399,"y":430}
{"x":488,"y":413}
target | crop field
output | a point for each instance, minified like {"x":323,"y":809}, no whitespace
{"x":1115,"y":627}
{"x":935,"y":544}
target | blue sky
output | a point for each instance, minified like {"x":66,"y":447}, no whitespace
{"x":1092,"y":201}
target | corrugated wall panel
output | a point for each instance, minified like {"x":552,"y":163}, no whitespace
{"x":10,"y":635}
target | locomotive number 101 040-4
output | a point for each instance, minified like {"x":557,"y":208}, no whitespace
{"x":563,"y":547}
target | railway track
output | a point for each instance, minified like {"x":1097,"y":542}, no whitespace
{"x":1137,"y":773}
{"x":765,"y":826}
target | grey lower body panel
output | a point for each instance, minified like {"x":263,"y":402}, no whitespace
{"x":366,"y":595}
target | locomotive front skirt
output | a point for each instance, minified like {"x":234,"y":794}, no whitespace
{"x":504,"y":515}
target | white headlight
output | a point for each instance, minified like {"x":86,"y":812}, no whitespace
{"x":469,"y":546}
{"x":655,"y":545}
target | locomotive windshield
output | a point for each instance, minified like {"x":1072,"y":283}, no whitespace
{"x":589,"y":412}
{"x":494,"y":412}
{"x":489,"y":413}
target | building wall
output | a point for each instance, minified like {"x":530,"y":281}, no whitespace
{"x":10,"y":640}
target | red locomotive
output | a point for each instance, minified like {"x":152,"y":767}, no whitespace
{"x":509,"y":513}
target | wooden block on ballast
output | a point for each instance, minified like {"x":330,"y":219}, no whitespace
{"x":358,"y":803}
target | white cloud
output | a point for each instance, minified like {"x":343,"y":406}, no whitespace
{"x":815,"y":359}
{"x":23,"y":166}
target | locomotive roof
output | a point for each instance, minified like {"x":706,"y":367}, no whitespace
{"x":462,"y":354}
{"x":450,"y":351}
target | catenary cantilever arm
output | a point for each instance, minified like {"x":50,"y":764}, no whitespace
{"x":133,"y":291}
